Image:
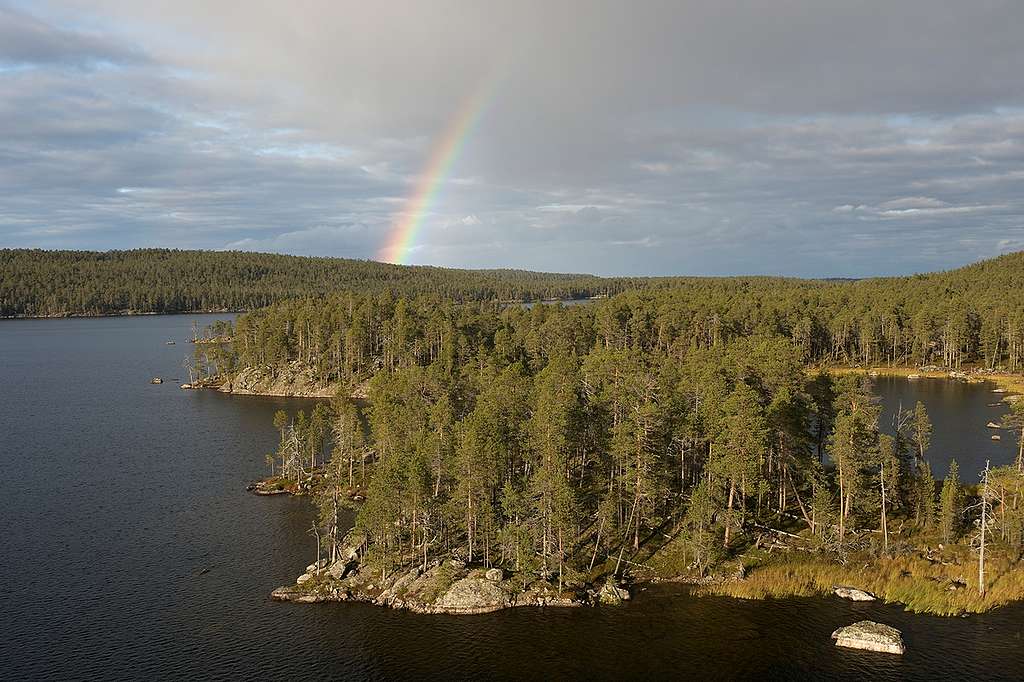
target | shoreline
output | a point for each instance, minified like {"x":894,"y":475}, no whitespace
{"x":927,"y":581}
{"x":1009,"y":382}
{"x":123,"y":313}
{"x":293,"y":382}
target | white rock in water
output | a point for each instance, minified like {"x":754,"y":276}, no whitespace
{"x":852,"y":593}
{"x":870,"y":636}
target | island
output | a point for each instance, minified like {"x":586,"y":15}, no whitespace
{"x":721,"y":433}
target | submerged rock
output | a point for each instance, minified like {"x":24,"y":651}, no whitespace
{"x":870,"y":636}
{"x":853,"y":594}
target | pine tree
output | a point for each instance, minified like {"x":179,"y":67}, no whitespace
{"x":951,"y":505}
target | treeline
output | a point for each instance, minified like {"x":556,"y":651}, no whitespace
{"x":972,"y":315}
{"x":348,"y":317}
{"x":53,"y":283}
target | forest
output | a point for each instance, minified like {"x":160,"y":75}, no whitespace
{"x":37,"y":283}
{"x":671,"y":427}
{"x":971,"y":316}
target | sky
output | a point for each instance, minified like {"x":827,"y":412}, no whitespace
{"x":806,"y":138}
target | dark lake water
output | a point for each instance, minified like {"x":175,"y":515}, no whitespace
{"x":959,"y":413}
{"x":117,"y":495}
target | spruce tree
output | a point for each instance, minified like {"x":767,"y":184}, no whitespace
{"x":951,"y":505}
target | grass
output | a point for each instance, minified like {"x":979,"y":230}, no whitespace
{"x":946,"y":587}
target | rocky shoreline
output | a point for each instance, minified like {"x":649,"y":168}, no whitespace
{"x":445,"y":587}
{"x":293,"y":381}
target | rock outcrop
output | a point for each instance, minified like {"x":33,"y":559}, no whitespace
{"x":473,"y":595}
{"x":870,"y":636}
{"x":612,"y":594}
{"x":295,"y":379}
{"x":852,"y":593}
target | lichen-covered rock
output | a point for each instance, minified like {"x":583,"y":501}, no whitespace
{"x":852,"y":593}
{"x":473,"y":595}
{"x":870,"y":636}
{"x":317,"y":567}
{"x":612,"y":594}
{"x":284,"y":593}
{"x":495,"y":575}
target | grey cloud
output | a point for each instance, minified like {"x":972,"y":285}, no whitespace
{"x":800,"y":137}
{"x":25,"y":39}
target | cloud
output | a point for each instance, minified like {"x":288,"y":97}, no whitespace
{"x":803,"y":137}
{"x":27,"y":40}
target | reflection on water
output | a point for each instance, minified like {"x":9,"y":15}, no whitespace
{"x":959,"y":412}
{"x":131,"y":550}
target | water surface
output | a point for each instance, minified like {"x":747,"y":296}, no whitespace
{"x":959,"y":412}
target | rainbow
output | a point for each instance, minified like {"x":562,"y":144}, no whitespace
{"x":405,"y":229}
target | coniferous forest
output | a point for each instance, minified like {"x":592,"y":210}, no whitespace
{"x":36,"y":283}
{"x":671,"y":430}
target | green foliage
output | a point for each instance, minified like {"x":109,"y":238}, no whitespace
{"x":951,"y":505}
{"x":56,"y":283}
{"x":561,"y":439}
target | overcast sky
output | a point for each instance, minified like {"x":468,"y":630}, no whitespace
{"x":716,"y":137}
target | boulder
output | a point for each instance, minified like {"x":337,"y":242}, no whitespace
{"x":317,"y":567}
{"x":853,"y":594}
{"x":495,"y":575}
{"x":870,"y":636}
{"x":613,"y":594}
{"x":305,"y":577}
{"x":473,"y":595}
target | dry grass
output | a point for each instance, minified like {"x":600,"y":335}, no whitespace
{"x":945,"y":587}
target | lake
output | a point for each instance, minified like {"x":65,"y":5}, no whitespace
{"x":132,"y":551}
{"x":959,"y":412}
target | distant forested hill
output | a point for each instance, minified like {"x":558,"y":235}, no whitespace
{"x":45,"y":283}
{"x":970,"y":313}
